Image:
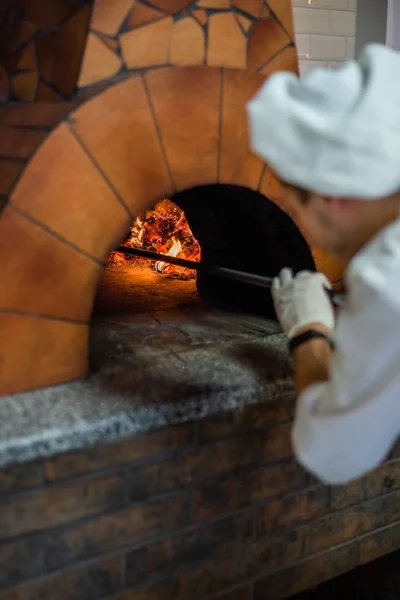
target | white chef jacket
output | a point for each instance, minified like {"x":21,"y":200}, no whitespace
{"x":346,"y":426}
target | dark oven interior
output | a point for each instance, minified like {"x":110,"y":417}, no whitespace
{"x":232,"y":227}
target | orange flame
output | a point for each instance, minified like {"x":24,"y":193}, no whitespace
{"x":175,"y":250}
{"x":164,"y":230}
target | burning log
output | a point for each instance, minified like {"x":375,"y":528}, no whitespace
{"x":165,"y":231}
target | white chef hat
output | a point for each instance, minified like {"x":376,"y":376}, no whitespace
{"x":336,"y":133}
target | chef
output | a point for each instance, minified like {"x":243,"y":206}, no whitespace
{"x":333,"y":139}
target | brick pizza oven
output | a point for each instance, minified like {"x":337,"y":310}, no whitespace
{"x":145,"y":447}
{"x":160,"y":130}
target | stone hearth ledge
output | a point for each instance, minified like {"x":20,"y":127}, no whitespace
{"x":146,"y":375}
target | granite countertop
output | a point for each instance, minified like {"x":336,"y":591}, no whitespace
{"x":156,"y":370}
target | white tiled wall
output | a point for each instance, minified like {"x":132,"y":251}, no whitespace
{"x":325,"y":32}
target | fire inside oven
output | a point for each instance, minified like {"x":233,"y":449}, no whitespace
{"x":225,"y":225}
{"x":163,"y":230}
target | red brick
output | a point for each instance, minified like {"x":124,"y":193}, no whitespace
{"x":241,"y":593}
{"x":256,"y":486}
{"x":308,"y":573}
{"x":187,"y":549}
{"x":20,"y":477}
{"x":383,"y":480}
{"x":339,"y":528}
{"x":90,"y":582}
{"x":295,"y":510}
{"x":50,"y":507}
{"x":20,"y":561}
{"x":323,"y":567}
{"x":251,"y":561}
{"x":194,"y":467}
{"x":172,"y":589}
{"x":343,"y":496}
{"x":380,"y":543}
{"x":346,"y":525}
{"x":220,"y":573}
{"x":165,"y":590}
{"x":277,"y":443}
{"x":259,"y":417}
{"x":384,"y":510}
{"x":101,"y":457}
{"x":20,"y":143}
{"x":126,"y":528}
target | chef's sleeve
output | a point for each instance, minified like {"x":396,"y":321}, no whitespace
{"x":346,"y":426}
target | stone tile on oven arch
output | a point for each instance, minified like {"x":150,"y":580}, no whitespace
{"x":110,"y":42}
{"x":125,"y":146}
{"x":27,"y":62}
{"x":186,"y":104}
{"x":99,"y":62}
{"x":284,"y":13}
{"x":42,"y":274}
{"x":62,"y":189}
{"x":251,"y":7}
{"x":215,"y":4}
{"x":286,"y":60}
{"x":227,"y":44}
{"x":108,"y":16}
{"x":141,"y":14}
{"x":24,"y":86}
{"x":52,"y":352}
{"x":200,"y":15}
{"x":267,"y":38}
{"x":244,"y":23}
{"x":238,"y":165}
{"x":171,"y":7}
{"x":187,"y":43}
{"x":147,"y":46}
{"x":46,"y":94}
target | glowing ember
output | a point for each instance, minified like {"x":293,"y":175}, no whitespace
{"x":164,"y":230}
{"x":175,"y":249}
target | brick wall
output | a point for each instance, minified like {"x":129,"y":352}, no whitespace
{"x":325,"y":32}
{"x":216,"y":509}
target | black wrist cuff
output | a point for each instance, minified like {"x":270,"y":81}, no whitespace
{"x":311,"y":334}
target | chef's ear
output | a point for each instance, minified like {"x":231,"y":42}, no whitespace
{"x":338,"y":204}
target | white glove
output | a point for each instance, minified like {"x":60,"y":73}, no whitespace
{"x":301,"y":300}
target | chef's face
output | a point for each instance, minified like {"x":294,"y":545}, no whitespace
{"x":323,"y":225}
{"x":340,"y":226}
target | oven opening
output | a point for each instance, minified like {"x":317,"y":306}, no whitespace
{"x":222,"y":225}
